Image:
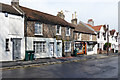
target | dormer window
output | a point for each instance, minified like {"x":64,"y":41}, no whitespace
{"x":58,"y":30}
{"x":38,"y":29}
{"x":67,"y":31}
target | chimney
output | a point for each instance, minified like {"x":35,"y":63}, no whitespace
{"x":15,"y":2}
{"x":61,"y":15}
{"x":74,"y":20}
{"x":91,"y":22}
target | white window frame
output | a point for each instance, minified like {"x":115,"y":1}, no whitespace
{"x":69,"y":46}
{"x":66,"y":31}
{"x":79,"y":36}
{"x":59,"y":30}
{"x":90,"y":37}
{"x":43,"y":47}
{"x":39,"y":32}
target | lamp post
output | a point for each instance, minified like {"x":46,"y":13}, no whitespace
{"x":107,"y":40}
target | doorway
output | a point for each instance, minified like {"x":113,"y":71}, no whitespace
{"x":51,"y":49}
{"x":16,"y":49}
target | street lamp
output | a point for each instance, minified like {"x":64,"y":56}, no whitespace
{"x":107,"y":40}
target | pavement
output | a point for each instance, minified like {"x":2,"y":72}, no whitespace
{"x":50,"y":61}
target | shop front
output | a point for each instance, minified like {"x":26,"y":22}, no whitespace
{"x":86,"y":47}
{"x":81,"y":47}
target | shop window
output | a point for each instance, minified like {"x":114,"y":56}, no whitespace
{"x":58,"y":30}
{"x":40,"y":47}
{"x":79,"y":47}
{"x":38,"y":29}
{"x":7,"y":44}
{"x":90,"y":47}
{"x":67,"y":46}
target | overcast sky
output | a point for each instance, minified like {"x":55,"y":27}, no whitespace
{"x":101,"y":11}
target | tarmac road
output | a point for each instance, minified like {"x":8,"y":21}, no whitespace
{"x":99,"y":68}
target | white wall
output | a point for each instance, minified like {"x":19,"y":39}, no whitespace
{"x":11,"y":27}
{"x":101,"y":40}
{"x":94,"y":50}
{"x":30,"y":44}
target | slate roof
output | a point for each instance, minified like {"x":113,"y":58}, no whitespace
{"x":81,"y":27}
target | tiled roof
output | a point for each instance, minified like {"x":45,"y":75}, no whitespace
{"x":96,"y":28}
{"x":83,"y":28}
{"x":8,"y":9}
{"x":44,"y":17}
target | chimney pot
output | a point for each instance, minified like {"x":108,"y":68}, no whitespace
{"x":15,"y":2}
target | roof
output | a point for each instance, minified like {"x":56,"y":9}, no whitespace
{"x":8,"y":9}
{"x":83,"y":28}
{"x":44,"y":17}
{"x":96,"y":28}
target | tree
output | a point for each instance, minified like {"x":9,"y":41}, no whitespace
{"x":106,"y":45}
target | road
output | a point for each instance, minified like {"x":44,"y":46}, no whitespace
{"x":99,"y":68}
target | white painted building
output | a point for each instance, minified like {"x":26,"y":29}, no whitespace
{"x":101,"y":34}
{"x":113,"y":39}
{"x":12,"y":41}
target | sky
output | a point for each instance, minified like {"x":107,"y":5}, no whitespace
{"x":101,"y":11}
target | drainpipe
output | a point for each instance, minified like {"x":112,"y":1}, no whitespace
{"x":25,"y":23}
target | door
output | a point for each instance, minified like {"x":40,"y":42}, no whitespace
{"x":51,"y":49}
{"x":59,"y":47}
{"x":16,"y":49}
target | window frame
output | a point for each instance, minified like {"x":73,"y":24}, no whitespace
{"x":7,"y":45}
{"x":40,"y":43}
{"x":90,"y":37}
{"x":69,"y":31}
{"x":66,"y":45}
{"x":38,"y":25}
{"x":57,"y":30}
{"x":79,"y":36}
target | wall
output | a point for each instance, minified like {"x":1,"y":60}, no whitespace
{"x":30,"y":45}
{"x":49,"y":31}
{"x":11,"y":27}
{"x":101,"y":40}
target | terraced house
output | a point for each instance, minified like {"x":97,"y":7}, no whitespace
{"x":12,"y":40}
{"x":47,"y":35}
{"x":85,"y":40}
{"x":44,"y":34}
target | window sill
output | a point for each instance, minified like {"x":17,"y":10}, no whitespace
{"x":38,"y":35}
{"x":58,"y":34}
{"x":67,"y":35}
{"x":68,"y":51}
